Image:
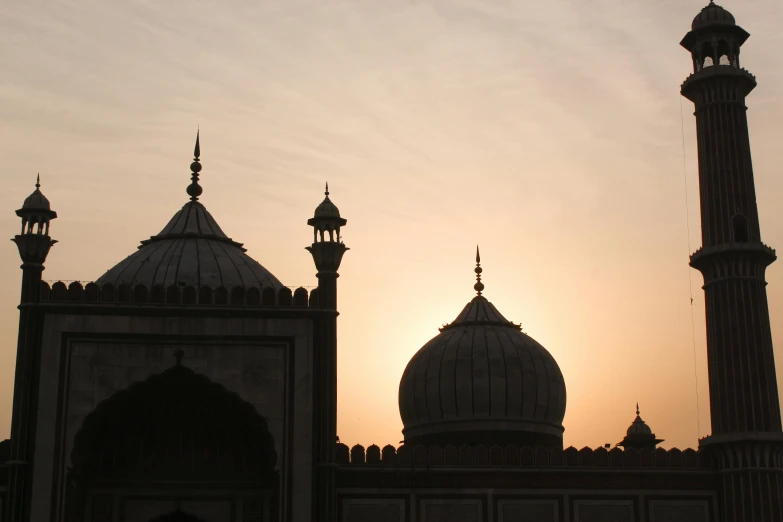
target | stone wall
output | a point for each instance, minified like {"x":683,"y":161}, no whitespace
{"x":525,"y":506}
{"x":513,"y":484}
{"x":208,"y":506}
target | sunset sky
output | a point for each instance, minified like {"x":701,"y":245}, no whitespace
{"x":550,"y":133}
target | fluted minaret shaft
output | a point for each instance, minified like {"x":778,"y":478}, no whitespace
{"x":743,"y":385}
{"x":18,"y":501}
{"x":728,"y":195}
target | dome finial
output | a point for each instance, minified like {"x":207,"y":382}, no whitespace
{"x":38,"y":181}
{"x":194,"y":189}
{"x":637,"y":409}
{"x":479,"y":286}
{"x":326,"y":192}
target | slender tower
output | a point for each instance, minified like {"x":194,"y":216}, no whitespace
{"x":746,"y":441}
{"x":327,"y":250}
{"x":34,"y":244}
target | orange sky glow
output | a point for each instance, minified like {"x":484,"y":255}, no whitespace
{"x":551,"y":134}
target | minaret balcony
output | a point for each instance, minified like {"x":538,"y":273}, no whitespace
{"x":692,"y":85}
{"x":33,"y":248}
{"x":728,"y":259}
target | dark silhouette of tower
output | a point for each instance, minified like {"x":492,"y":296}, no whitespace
{"x":327,"y":250}
{"x":746,"y":440}
{"x":34,"y":244}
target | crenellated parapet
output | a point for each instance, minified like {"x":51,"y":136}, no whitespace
{"x":75,"y":292}
{"x":518,"y":457}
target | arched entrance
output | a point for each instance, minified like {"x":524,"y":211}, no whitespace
{"x":177,"y":430}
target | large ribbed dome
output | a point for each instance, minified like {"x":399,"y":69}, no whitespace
{"x":191,"y":250}
{"x":482,"y":381}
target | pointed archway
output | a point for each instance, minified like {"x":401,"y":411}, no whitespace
{"x":174,"y":427}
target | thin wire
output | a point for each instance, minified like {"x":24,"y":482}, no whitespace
{"x":690,"y":285}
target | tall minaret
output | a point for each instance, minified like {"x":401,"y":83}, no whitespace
{"x":34,"y":244}
{"x":327,"y":250}
{"x":746,"y":440}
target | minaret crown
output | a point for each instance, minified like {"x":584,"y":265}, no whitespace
{"x":36,"y":213}
{"x":327,"y":249}
{"x":715,"y":39}
{"x":34,"y":241}
{"x":326,"y":221}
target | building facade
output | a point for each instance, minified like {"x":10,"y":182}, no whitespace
{"x":188,"y":384}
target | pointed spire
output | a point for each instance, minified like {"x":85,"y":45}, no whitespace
{"x":479,"y":286}
{"x":637,"y":409}
{"x":194,"y":190}
{"x":326,"y":192}
{"x":38,"y":181}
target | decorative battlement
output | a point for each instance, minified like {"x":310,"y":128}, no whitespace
{"x":512,"y":457}
{"x":180,"y":295}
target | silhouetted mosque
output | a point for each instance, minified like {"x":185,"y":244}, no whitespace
{"x":187,"y":383}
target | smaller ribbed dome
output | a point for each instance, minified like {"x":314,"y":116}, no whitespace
{"x":639,"y":435}
{"x":37,"y":201}
{"x":36,"y":213}
{"x":639,"y":427}
{"x":713,"y":14}
{"x":327,"y":209}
